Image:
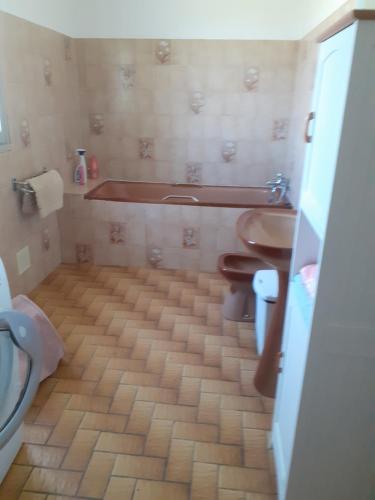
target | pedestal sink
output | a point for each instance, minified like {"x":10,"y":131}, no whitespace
{"x":268,"y":234}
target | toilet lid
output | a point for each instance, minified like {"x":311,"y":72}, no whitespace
{"x":266,"y":285}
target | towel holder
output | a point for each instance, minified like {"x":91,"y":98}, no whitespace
{"x":24,"y":186}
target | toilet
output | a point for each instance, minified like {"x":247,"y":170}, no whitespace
{"x":239,"y":269}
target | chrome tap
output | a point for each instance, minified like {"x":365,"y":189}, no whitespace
{"x":280,"y":187}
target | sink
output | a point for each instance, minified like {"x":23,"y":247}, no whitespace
{"x":268,"y":233}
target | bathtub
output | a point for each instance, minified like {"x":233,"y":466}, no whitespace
{"x":182,"y":194}
{"x":171,"y":226}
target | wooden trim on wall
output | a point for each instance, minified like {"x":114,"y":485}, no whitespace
{"x":345,"y":21}
{"x":342,"y":11}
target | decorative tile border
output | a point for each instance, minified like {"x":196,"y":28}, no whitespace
{"x":117,"y":233}
{"x":155,"y":256}
{"x":146,"y":148}
{"x":190,"y":237}
{"x":25,"y":133}
{"x":197,"y":102}
{"x":68,"y":48}
{"x":251,"y":80}
{"x":47,"y":72}
{"x":163,"y":51}
{"x":84,"y":253}
{"x":194,"y":172}
{"x":280,"y":129}
{"x":46,"y":241}
{"x":97,"y":123}
{"x":127,"y":76}
{"x":69,"y":152}
{"x":229,"y":151}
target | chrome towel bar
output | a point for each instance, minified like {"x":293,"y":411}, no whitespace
{"x":181,"y":197}
{"x":24,"y":186}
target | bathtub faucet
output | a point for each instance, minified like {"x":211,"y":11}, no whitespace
{"x":280,"y":187}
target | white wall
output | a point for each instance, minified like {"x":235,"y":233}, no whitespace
{"x":54,"y":14}
{"x":227,"y":19}
{"x":365,"y":4}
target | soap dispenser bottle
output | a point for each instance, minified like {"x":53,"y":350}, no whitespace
{"x":81,"y":169}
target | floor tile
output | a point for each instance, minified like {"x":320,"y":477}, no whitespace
{"x":217,"y":454}
{"x":158,"y":438}
{"x":95,"y":480}
{"x":139,"y":467}
{"x":40,"y":456}
{"x":195,"y":432}
{"x":204,"y":483}
{"x":120,"y":488}
{"x":150,"y":412}
{"x":53,"y":481}
{"x":180,"y":462}
{"x":120,"y":443}
{"x":153,"y":490}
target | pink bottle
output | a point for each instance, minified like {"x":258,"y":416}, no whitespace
{"x":93,"y":168}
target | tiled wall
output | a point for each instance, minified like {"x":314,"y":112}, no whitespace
{"x":216,"y":112}
{"x":38,"y":71}
{"x":168,"y":236}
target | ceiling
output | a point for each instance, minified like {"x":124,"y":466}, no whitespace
{"x":209,"y":19}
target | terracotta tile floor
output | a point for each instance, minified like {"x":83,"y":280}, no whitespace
{"x":154,"y":399}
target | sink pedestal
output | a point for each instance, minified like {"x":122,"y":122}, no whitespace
{"x":268,"y":234}
{"x":265,"y":379}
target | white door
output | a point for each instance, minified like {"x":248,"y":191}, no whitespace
{"x":324,"y":129}
{"x":294,"y":349}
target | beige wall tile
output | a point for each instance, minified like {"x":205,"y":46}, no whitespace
{"x":158,"y":107}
